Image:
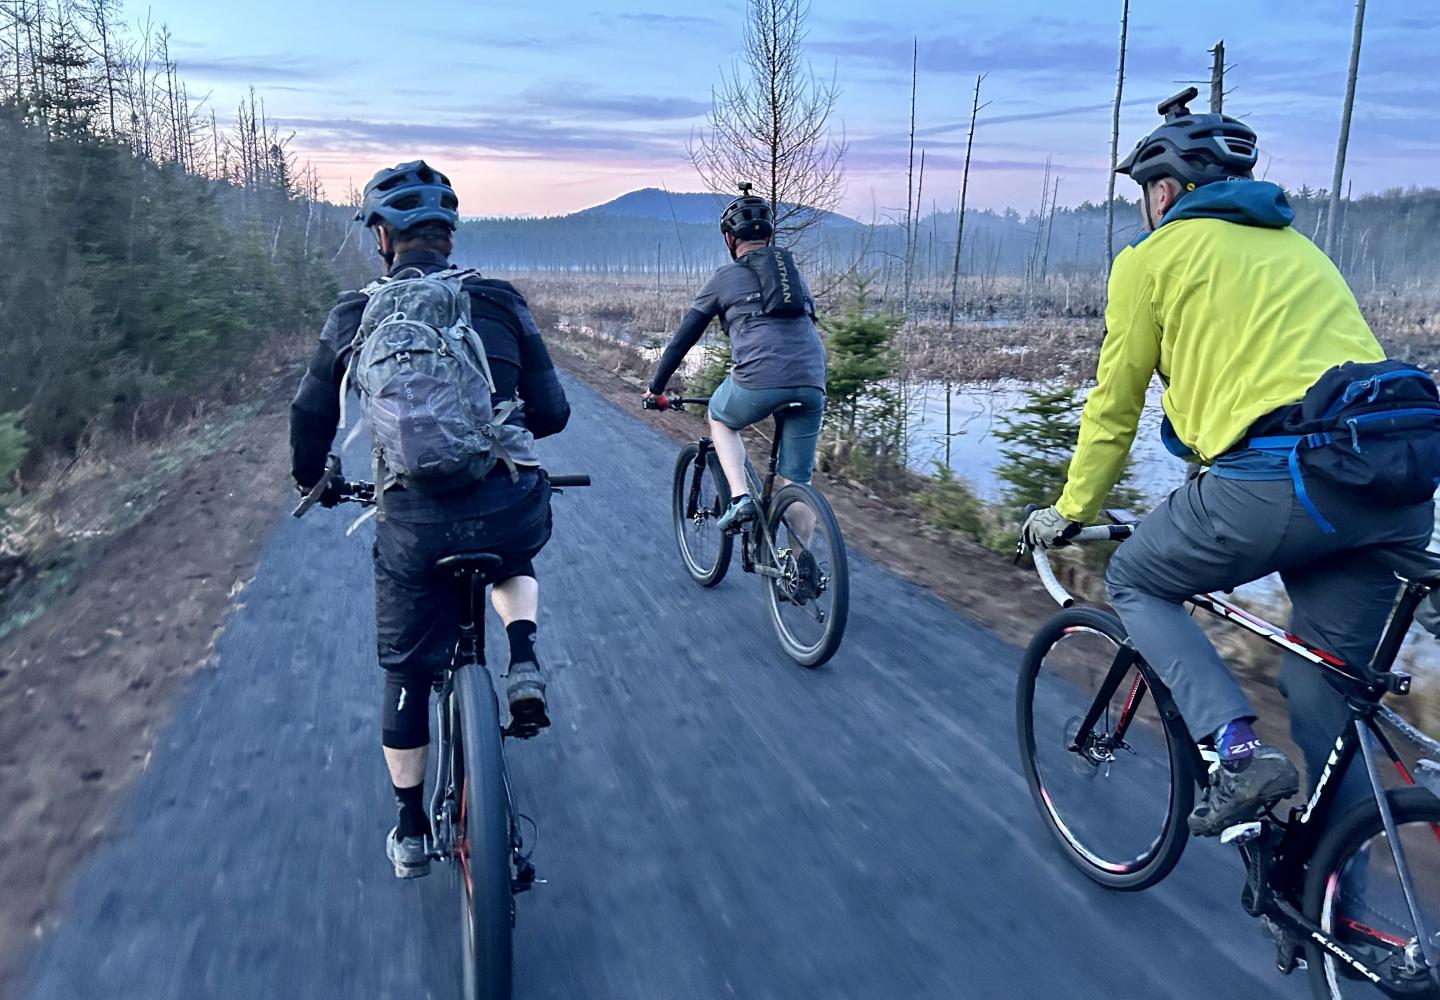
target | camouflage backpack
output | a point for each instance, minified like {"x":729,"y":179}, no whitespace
{"x":425,"y":382}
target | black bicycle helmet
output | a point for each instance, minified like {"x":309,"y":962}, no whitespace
{"x":1194,"y":149}
{"x":748,"y":217}
{"x":407,"y":195}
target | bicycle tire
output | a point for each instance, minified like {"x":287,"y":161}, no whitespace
{"x":1146,"y":869}
{"x":483,"y":845}
{"x":1339,"y":843}
{"x":703,"y":571}
{"x":819,"y":652}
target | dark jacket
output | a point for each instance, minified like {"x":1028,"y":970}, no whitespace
{"x":519,"y":363}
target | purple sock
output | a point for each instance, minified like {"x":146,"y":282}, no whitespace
{"x":1236,"y":740}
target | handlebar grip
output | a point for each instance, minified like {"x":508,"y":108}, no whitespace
{"x":575,"y":479}
{"x":1047,"y":577}
{"x":1104,"y":533}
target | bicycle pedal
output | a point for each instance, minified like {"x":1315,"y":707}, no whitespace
{"x":1241,"y":833}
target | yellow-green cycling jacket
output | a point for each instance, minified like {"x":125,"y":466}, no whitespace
{"x":1240,"y":315}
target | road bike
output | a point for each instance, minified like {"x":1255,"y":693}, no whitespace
{"x":794,"y":546}
{"x":475,"y":825}
{"x":1352,"y":894}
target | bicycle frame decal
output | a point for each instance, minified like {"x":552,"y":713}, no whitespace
{"x":1345,"y":957}
{"x":1221,"y":608}
{"x":1335,"y":755}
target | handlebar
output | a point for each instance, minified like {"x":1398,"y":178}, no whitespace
{"x":363,"y":493}
{"x":1095,"y":533}
{"x":663,"y":402}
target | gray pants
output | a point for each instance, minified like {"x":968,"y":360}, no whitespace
{"x":1214,"y":534}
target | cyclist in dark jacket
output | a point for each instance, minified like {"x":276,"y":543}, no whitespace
{"x":778,"y":360}
{"x":413,"y":211}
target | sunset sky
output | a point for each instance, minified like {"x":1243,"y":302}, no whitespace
{"x":539,"y":108}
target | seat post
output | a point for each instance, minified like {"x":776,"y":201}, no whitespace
{"x":1411,"y":596}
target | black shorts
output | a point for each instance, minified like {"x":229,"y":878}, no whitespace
{"x":417,"y":612}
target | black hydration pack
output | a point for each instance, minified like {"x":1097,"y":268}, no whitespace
{"x":1372,"y":429}
{"x":782,"y":290}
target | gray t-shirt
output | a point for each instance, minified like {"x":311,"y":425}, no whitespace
{"x":770,"y":352}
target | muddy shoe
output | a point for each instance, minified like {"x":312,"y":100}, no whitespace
{"x":1244,"y":793}
{"x":408,"y":855}
{"x":738,"y":513}
{"x":525,"y":690}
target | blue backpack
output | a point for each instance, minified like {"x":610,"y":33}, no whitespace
{"x":1372,"y":429}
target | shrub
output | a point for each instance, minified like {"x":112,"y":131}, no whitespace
{"x":950,"y":502}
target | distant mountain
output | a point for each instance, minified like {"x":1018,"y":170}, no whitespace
{"x":691,"y":207}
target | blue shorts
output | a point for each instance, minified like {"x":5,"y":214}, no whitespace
{"x":737,"y":408}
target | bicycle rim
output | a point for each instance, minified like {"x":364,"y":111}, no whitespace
{"x":1353,"y":893}
{"x":1117,"y":804}
{"x":810,"y":601}
{"x":704,"y":549}
{"x":482,"y":845}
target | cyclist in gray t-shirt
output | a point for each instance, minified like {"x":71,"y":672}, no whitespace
{"x":778,"y":359}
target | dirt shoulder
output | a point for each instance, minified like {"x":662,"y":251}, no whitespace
{"x":86,"y":686}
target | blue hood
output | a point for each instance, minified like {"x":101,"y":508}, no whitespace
{"x":1246,"y":203}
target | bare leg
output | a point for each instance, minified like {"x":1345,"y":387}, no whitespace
{"x":516,"y":599}
{"x":799,"y":519}
{"x":407,"y":767}
{"x":730,"y":449}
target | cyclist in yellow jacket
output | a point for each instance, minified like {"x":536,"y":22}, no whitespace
{"x":1239,"y":315}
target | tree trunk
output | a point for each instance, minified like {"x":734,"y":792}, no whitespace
{"x":964,"y":190}
{"x":1115,"y":143}
{"x":1339,"y":176}
{"x":1217,"y":79}
{"x":910,"y":180}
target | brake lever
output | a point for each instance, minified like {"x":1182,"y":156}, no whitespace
{"x":332,"y":469}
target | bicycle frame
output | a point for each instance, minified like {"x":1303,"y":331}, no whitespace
{"x":445,"y":798}
{"x":1275,"y":858}
{"x":763,"y":489}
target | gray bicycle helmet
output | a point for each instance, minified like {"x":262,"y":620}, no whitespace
{"x":748,"y":217}
{"x":407,"y":195}
{"x":1194,"y":149}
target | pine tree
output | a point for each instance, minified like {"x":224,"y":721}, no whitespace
{"x":14,"y":443}
{"x":863,"y":409}
{"x":1042,"y":435}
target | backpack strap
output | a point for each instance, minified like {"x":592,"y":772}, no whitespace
{"x":1290,"y":445}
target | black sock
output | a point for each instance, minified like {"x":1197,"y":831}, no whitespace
{"x":413,"y":821}
{"x":522,"y":641}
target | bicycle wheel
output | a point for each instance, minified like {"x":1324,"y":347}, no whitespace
{"x":1353,"y":893}
{"x":482,"y":840}
{"x":1117,"y":804}
{"x":704,"y":548}
{"x":810,"y":600}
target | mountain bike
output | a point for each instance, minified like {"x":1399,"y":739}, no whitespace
{"x":1113,"y":769}
{"x":475,"y":824}
{"x":794,"y":546}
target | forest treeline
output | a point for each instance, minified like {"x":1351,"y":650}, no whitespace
{"x":1391,"y":239}
{"x":146,"y":255}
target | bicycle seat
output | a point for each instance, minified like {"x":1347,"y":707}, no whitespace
{"x":785,"y":408}
{"x":481,"y":564}
{"x":1413,"y":566}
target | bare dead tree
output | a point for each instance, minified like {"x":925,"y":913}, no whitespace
{"x":1032,"y":264}
{"x":1340,"y":148}
{"x":1049,"y":232}
{"x":910,"y":180}
{"x":1217,"y":79}
{"x":769,"y":122}
{"x":915,"y":236}
{"x":964,"y":190}
{"x":1115,"y":143}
